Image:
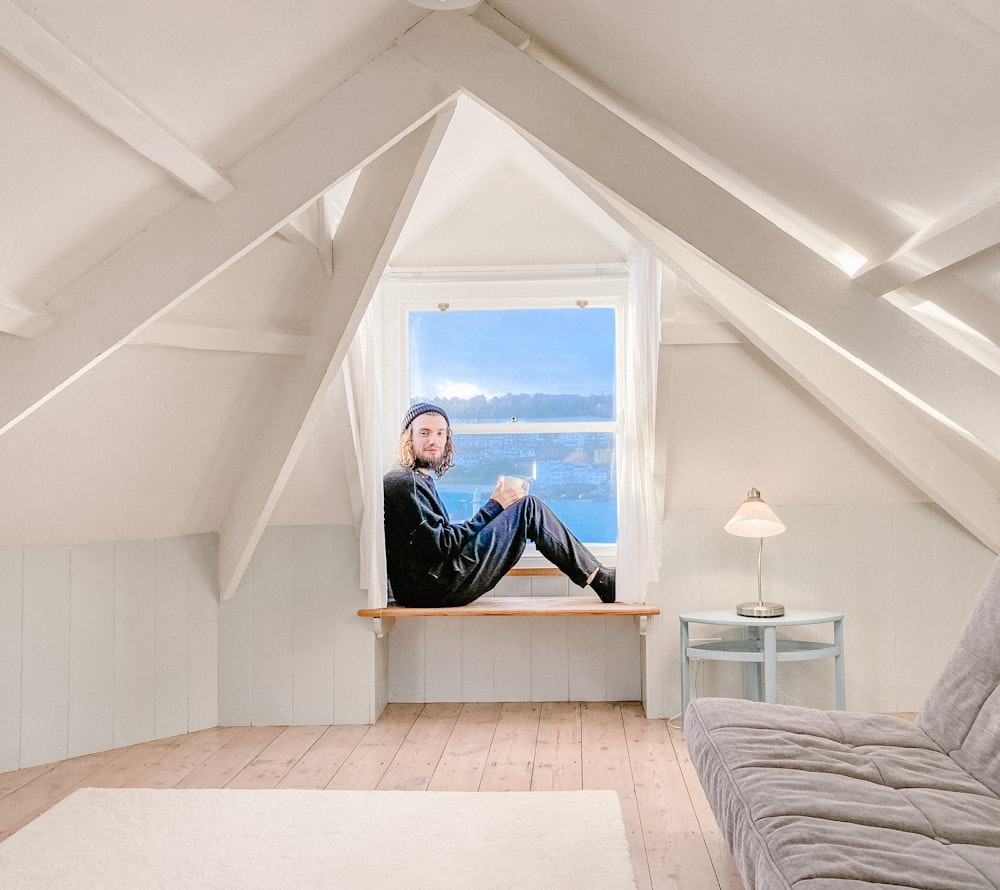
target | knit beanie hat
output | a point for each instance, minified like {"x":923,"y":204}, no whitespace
{"x":422,"y":408}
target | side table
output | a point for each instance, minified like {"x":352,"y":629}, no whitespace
{"x":762,"y":651}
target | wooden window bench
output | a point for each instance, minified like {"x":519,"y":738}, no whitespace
{"x":505,"y":606}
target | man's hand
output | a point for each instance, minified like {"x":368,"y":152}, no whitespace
{"x":509,"y":491}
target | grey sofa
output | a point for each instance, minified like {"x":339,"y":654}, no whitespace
{"x":829,"y":800}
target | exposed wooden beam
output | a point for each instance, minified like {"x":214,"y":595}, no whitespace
{"x":314,"y":227}
{"x":962,"y":234}
{"x":298,"y":230}
{"x":224,"y":335}
{"x":192,"y":244}
{"x":19,"y":320}
{"x":327,"y":222}
{"x":796,"y":224}
{"x":379,"y":205}
{"x":560,"y":119}
{"x":37,"y":51}
{"x":851,"y":393}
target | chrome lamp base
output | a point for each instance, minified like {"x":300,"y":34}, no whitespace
{"x":759,"y":609}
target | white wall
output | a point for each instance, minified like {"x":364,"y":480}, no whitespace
{"x":105,"y":645}
{"x":110,"y":644}
{"x":292,"y":649}
{"x":515,"y":659}
{"x":905,"y":576}
{"x":860,"y":537}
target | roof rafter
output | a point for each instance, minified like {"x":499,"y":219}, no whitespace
{"x":18,"y":319}
{"x":848,"y":391}
{"x":314,"y":228}
{"x":945,"y":242}
{"x":375,"y":214}
{"x":959,"y":303}
{"x":225,"y":335}
{"x":37,"y":51}
{"x":563,"y":121}
{"x":192,"y":244}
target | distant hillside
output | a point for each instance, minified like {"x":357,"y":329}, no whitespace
{"x":537,"y":406}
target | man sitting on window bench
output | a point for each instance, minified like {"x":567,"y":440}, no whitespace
{"x":434,"y":562}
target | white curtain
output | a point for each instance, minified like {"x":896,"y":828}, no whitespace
{"x":363,"y":381}
{"x":639,"y":502}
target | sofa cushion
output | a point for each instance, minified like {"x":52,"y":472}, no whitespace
{"x":962,"y":711}
{"x":818,"y":800}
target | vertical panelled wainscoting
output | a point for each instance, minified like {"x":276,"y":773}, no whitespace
{"x":904,"y":575}
{"x":292,"y":649}
{"x":105,"y":645}
{"x":574,"y":658}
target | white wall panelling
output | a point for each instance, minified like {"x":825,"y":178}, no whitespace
{"x":92,"y":649}
{"x":271,"y":643}
{"x":358,"y":659}
{"x":45,"y":655}
{"x":11,"y":561}
{"x":517,"y":658}
{"x":236,"y":654}
{"x":172,"y":620}
{"x":106,"y":644}
{"x":103,"y":645}
{"x":291,"y":646}
{"x":904,"y":575}
{"x":313,"y":624}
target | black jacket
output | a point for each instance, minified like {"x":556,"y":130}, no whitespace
{"x":422,"y":547}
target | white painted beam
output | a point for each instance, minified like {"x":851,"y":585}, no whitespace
{"x":561,"y":120}
{"x":224,"y":335}
{"x":37,"y":51}
{"x":300,"y":229}
{"x":379,"y":205}
{"x":21,"y":321}
{"x":803,"y":229}
{"x":968,"y":304}
{"x":192,"y":244}
{"x":327,"y":222}
{"x":849,"y":391}
{"x":964,"y":233}
{"x":314,"y":227}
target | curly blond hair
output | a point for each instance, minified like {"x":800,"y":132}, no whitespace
{"x":408,"y":460}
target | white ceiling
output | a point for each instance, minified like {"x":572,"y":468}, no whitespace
{"x":867,"y":133}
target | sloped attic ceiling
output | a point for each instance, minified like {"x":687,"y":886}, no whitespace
{"x":175,"y":177}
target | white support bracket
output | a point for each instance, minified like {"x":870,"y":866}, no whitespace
{"x":382,"y":626}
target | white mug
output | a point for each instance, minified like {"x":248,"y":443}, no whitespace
{"x":515,"y":482}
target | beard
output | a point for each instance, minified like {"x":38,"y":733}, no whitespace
{"x":421,"y":463}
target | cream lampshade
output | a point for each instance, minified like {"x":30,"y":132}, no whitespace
{"x":755,"y":519}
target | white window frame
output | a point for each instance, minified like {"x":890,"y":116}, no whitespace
{"x":423,"y":290}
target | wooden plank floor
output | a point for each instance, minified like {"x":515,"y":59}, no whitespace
{"x":674,"y":840}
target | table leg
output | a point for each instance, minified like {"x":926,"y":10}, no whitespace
{"x":751,"y":669}
{"x":770,"y":664}
{"x":838,"y":662}
{"x":685,"y":669}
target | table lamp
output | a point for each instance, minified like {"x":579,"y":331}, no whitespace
{"x":755,"y":519}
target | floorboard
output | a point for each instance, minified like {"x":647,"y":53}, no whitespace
{"x":518,"y":746}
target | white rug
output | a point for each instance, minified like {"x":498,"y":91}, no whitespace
{"x":143,"y":838}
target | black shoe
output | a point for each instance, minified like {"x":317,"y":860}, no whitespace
{"x":604,"y":584}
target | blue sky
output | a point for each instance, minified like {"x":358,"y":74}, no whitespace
{"x":465,"y":353}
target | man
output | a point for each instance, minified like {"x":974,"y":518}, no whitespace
{"x":434,"y":562}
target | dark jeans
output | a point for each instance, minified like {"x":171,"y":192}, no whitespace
{"x":498,"y":546}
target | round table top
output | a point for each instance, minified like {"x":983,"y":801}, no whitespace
{"x":731,"y":617}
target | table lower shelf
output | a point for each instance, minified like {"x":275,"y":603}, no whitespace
{"x":753,"y":650}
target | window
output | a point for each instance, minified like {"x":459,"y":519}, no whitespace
{"x":531,"y":390}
